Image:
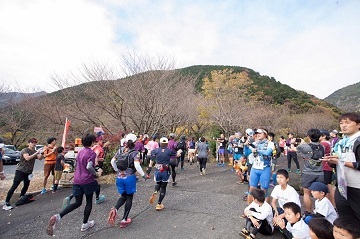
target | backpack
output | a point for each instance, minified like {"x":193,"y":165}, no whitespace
{"x":27,"y":198}
{"x":123,"y":160}
{"x":318,"y":151}
{"x":277,"y":150}
{"x":181,"y":145}
{"x":192,"y":144}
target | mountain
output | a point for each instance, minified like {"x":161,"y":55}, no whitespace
{"x":15,"y":97}
{"x":346,"y":98}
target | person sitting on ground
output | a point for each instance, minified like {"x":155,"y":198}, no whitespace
{"x":241,"y":169}
{"x":346,"y":227}
{"x":295,"y":226}
{"x":259,"y":216}
{"x":281,"y":194}
{"x":323,"y":206}
{"x":320,"y":228}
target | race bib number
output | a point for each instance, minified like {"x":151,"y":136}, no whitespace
{"x":236,"y":150}
{"x":258,"y":164}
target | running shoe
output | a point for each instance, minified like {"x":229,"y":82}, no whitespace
{"x":159,"y":207}
{"x":182,"y":170}
{"x":66,"y":202}
{"x":289,"y":170}
{"x":52,"y":223}
{"x":87,"y":225}
{"x":124,"y":223}
{"x":100,"y":199}
{"x":298,"y":171}
{"x":174,"y":184}
{"x":43,"y":191}
{"x":152,"y":198}
{"x":201,"y":174}
{"x":7,"y":207}
{"x":204,"y":171}
{"x":112,"y":216}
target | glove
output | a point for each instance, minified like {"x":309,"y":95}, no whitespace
{"x":144,"y":177}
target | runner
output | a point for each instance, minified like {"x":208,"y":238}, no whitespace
{"x":126,"y":180}
{"x":99,"y":161}
{"x":23,"y":171}
{"x":161,"y":156}
{"x":84,"y":184}
{"x":174,"y":160}
{"x":203,"y":150}
{"x":191,"y":153}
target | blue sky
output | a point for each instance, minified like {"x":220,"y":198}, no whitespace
{"x":312,"y":46}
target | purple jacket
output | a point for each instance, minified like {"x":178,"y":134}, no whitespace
{"x":139,"y":146}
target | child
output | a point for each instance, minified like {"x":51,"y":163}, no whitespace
{"x":59,"y":167}
{"x":295,"y":226}
{"x":346,"y":227}
{"x":282,"y":194}
{"x":323,"y":206}
{"x":241,"y":170}
{"x":320,"y":228}
{"x":259,"y":216}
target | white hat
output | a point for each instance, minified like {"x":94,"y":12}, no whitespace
{"x":249,"y":132}
{"x":131,"y":137}
{"x":335,"y":131}
{"x":261,"y":131}
{"x":172,"y":135}
{"x":164,"y":140}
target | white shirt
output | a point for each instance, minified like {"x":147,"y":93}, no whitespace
{"x":284,"y":196}
{"x":325,"y":208}
{"x":263,"y":212}
{"x":299,"y":230}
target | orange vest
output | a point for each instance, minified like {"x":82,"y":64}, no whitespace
{"x":50,"y":159}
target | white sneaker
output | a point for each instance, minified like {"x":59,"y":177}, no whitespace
{"x":203,"y":171}
{"x":7,"y":207}
{"x":87,"y":225}
{"x":52,"y":223}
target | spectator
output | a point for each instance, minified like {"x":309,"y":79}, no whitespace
{"x":334,"y":138}
{"x":50,"y":160}
{"x":59,"y":167}
{"x":346,"y":227}
{"x":291,"y":153}
{"x":320,"y":228}
{"x":2,"y":175}
{"x":346,"y":157}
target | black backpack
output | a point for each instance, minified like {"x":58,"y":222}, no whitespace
{"x":318,"y":151}
{"x":123,"y":161}
{"x":181,"y":145}
{"x":27,"y":198}
{"x":277,"y":149}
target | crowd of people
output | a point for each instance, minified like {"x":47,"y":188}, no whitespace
{"x":252,"y":155}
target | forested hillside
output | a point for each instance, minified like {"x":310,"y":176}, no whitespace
{"x":346,"y":98}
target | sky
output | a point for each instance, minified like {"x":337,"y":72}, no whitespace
{"x":313,"y":46}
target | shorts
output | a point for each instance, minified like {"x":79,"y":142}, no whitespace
{"x":86,"y":189}
{"x":126,"y":184}
{"x":237,"y":156}
{"x":328,"y":177}
{"x":308,"y":179}
{"x":161,"y":176}
{"x":49,"y":168}
{"x":221,"y":151}
{"x":260,"y":175}
{"x":191,"y":151}
{"x":58,"y":175}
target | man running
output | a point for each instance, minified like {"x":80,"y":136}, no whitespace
{"x":161,"y":157}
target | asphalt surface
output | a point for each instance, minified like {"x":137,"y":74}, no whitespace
{"x":199,"y":207}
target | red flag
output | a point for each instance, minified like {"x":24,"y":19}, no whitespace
{"x":66,"y":130}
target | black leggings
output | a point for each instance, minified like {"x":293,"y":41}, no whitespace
{"x":126,"y":199}
{"x":77,"y":203}
{"x":264,"y":228}
{"x":293,"y":155}
{"x":161,"y":186}
{"x":19,"y":176}
{"x":202,"y":163}
{"x":182,"y":159}
{"x":173,"y":172}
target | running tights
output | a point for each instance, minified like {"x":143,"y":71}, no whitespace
{"x":173,"y":172}
{"x":163,"y":186}
{"x":97,"y":192}
{"x":77,"y":203}
{"x":126,"y":199}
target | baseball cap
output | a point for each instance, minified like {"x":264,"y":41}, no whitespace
{"x":249,"y":132}
{"x":172,"y":135}
{"x":131,"y":137}
{"x":2,"y":143}
{"x":335,"y":131}
{"x":164,"y":140}
{"x":325,"y":132}
{"x":317,"y":186}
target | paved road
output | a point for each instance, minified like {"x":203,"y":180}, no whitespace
{"x":199,"y":207}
